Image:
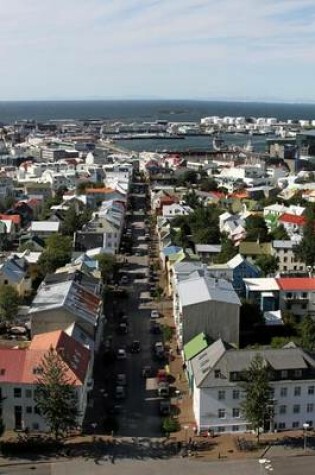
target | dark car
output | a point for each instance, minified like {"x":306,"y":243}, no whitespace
{"x":147,"y":371}
{"x":155,"y":328}
{"x":165,"y":408}
{"x":135,"y":347}
{"x":122,"y":329}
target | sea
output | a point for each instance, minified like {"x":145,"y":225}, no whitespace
{"x":149,"y":110}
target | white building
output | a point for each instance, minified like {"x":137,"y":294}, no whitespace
{"x":20,"y":369}
{"x":215,"y":376}
{"x":283,"y":250}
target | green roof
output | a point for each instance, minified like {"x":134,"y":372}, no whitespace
{"x":195,"y":346}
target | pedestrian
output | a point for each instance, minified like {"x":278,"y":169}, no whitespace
{"x":195,"y":430}
{"x":189,"y":441}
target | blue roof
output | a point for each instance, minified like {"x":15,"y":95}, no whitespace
{"x":168,"y":251}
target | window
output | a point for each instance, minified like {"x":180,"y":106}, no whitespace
{"x":236,"y":412}
{"x":235,"y":428}
{"x":221,"y":429}
{"x":285,"y":259}
{"x":311,"y":390}
{"x":17,"y":392}
{"x":298,"y":373}
{"x":282,"y":409}
{"x":310,"y":407}
{"x":283,"y":392}
{"x":295,"y":425}
{"x":6,"y":282}
{"x":28,"y":393}
{"x":236,"y":394}
{"x":304,"y":306}
{"x":29,"y":409}
{"x":304,"y":295}
{"x":289,"y":295}
{"x":217,"y":373}
{"x":297,"y":391}
{"x":281,"y":425}
{"x":221,"y":413}
{"x":296,"y":408}
{"x":234,"y":376}
{"x":284,"y":267}
{"x":36,"y":410}
{"x":284,"y":374}
{"x":221,"y":395}
{"x":35,"y":426}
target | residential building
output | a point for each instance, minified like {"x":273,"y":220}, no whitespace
{"x":287,"y":261}
{"x":15,"y":272}
{"x":19,"y":372}
{"x":43,"y":229}
{"x":204,"y":304}
{"x":216,"y":375}
{"x":297,"y":295}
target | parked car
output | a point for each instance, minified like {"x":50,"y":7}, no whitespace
{"x":122,"y":329}
{"x":120,"y":392}
{"x":163,"y":390}
{"x":147,"y":371}
{"x":155,"y":328}
{"x":135,"y":347}
{"x":165,"y":407}
{"x":121,"y":379}
{"x":154,"y":314}
{"x":121,"y":354}
{"x":161,"y":376}
{"x":159,"y":350}
{"x":124,"y":280}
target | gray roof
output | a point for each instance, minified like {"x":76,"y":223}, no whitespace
{"x":197,"y":289}
{"x":283,"y":244}
{"x":213,"y":248}
{"x":220,"y":356}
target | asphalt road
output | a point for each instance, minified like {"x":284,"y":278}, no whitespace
{"x":281,"y":466}
{"x":139,"y":414}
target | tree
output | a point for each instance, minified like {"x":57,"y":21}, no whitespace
{"x":208,"y":184}
{"x":74,"y":221}
{"x":267,"y":264}
{"x":191,"y":199}
{"x":55,"y":395}
{"x":305,"y":251}
{"x":56,"y":254}
{"x":9,"y":302}
{"x":189,"y":177}
{"x":279,"y":234}
{"x":256,"y":229}
{"x":228,"y":250}
{"x":107,"y":266}
{"x":307,"y":333}
{"x":256,"y":405}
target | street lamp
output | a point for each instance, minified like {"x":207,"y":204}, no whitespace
{"x":306,"y":426}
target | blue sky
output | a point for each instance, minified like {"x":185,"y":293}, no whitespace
{"x":181,"y":49}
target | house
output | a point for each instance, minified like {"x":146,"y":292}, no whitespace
{"x":252,"y":250}
{"x":176,"y":209}
{"x":204,"y":304}
{"x":235,"y":270}
{"x":60,"y":303}
{"x":14,"y":272}
{"x":233,"y":225}
{"x":104,"y":230}
{"x":216,"y":376}
{"x":264,"y":292}
{"x":44,"y":229}
{"x":287,"y":261}
{"x":20,"y":368}
{"x":297,"y":295}
{"x":207,"y":252}
{"x":292,"y":224}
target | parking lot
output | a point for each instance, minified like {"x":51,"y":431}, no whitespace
{"x":132,"y":342}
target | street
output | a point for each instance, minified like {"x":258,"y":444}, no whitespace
{"x":138,"y":413}
{"x":281,"y":466}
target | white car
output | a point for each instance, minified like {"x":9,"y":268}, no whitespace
{"x":121,"y":354}
{"x":154,"y":314}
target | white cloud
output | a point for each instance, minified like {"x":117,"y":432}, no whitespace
{"x":79,"y":38}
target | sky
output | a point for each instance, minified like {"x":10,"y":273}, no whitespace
{"x":157,"y":49}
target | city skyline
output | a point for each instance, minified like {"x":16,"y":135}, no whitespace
{"x":158,"y":49}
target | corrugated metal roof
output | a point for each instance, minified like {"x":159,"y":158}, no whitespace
{"x":197,"y":289}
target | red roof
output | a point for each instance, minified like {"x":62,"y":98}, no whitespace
{"x":296,"y":283}
{"x":99,"y":190}
{"x":15,"y":218}
{"x":292,"y":219}
{"x":18,"y":365}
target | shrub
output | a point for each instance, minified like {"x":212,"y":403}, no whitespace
{"x":170,"y":425}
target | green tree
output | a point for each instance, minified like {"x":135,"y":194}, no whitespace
{"x":191,"y":199}
{"x":56,"y":254}
{"x":74,"y":221}
{"x":228,"y":250}
{"x":9,"y":302}
{"x":256,"y":405}
{"x":305,"y":251}
{"x":170,"y":425}
{"x":280,"y":341}
{"x":279,"y":234}
{"x":256,"y":229}
{"x":108,"y":266}
{"x":55,"y":395}
{"x":208,"y":184}
{"x":189,"y":177}
{"x":267,"y":264}
{"x":307,"y":333}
